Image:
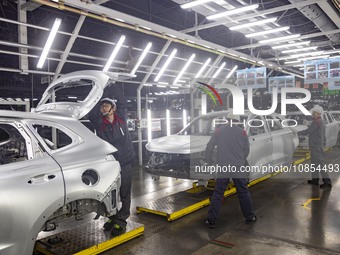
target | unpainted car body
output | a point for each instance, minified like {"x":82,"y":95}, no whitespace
{"x":52,"y":167}
{"x":331,"y":132}
{"x":270,"y":144}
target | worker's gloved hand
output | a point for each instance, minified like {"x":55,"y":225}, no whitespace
{"x":305,"y":122}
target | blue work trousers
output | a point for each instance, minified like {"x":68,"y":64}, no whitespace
{"x":242,"y":193}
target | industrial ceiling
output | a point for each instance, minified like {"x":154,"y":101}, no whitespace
{"x":91,"y":29}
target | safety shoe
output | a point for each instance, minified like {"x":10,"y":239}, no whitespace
{"x":325,"y":185}
{"x":211,"y":223}
{"x":312,"y":182}
{"x":252,"y":220}
{"x":117,"y":230}
{"x":109,"y":224}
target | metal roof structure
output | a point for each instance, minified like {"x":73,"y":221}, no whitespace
{"x":91,"y":29}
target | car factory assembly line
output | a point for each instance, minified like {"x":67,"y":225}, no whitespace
{"x":177,"y":127}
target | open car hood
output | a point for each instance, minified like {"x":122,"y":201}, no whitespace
{"x":181,"y":144}
{"x":90,"y":83}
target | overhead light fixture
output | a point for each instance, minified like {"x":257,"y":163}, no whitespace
{"x":185,"y":67}
{"x":288,"y":45}
{"x":255,"y":23}
{"x":184,"y":118}
{"x":231,"y":72}
{"x":283,"y":38}
{"x":163,"y":83}
{"x":300,"y":49}
{"x":270,"y":31}
{"x":148,"y":119}
{"x":49,"y":42}
{"x":292,"y":62}
{"x":141,"y":58}
{"x":298,"y":65}
{"x":167,"y":62}
{"x":167,"y":117}
{"x":114,"y":53}
{"x":233,"y":11}
{"x":313,"y":53}
{"x":206,"y":63}
{"x":315,"y":57}
{"x":194,"y":3}
{"x":161,"y":86}
{"x":219,"y":70}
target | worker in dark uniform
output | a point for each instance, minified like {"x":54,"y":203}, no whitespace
{"x":232,"y":149}
{"x":316,"y":132}
{"x":110,"y":125}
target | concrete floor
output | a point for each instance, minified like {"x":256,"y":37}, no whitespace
{"x":284,"y":225}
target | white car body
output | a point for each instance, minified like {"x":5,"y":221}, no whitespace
{"x":269,"y":145}
{"x":52,"y":167}
{"x":331,"y":132}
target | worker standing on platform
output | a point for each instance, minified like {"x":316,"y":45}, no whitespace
{"x":316,"y":132}
{"x":110,"y":125}
{"x":232,"y":150}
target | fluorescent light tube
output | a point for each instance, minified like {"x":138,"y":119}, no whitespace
{"x":49,"y":42}
{"x":255,"y":23}
{"x":308,"y":54}
{"x":300,"y":49}
{"x":167,"y":116}
{"x":292,"y":62}
{"x":287,"y":45}
{"x":141,"y":58}
{"x":315,"y":57}
{"x":148,"y":119}
{"x":114,"y":53}
{"x":203,"y":68}
{"x":194,"y":3}
{"x":233,"y":11}
{"x":283,"y":38}
{"x":185,"y":67}
{"x":167,"y":62}
{"x":219,"y":70}
{"x":184,"y":118}
{"x":270,"y":31}
{"x":231,"y":72}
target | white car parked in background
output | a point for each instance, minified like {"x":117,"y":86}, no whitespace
{"x":52,"y":167}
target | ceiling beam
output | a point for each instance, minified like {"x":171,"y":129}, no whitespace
{"x":108,"y":15}
{"x":250,"y":16}
{"x":300,"y":38}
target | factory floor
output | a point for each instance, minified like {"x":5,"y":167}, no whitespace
{"x":293,"y":218}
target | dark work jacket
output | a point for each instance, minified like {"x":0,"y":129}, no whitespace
{"x":316,"y":133}
{"x":232,"y":146}
{"x":115,"y":133}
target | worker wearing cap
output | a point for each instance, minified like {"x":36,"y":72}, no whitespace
{"x":232,"y":149}
{"x":110,"y":125}
{"x":316,"y":132}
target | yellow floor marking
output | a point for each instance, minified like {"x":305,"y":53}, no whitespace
{"x":308,"y":201}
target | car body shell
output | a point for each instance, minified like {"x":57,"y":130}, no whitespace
{"x":269,"y":145}
{"x":43,"y":184}
{"x":331,"y":132}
